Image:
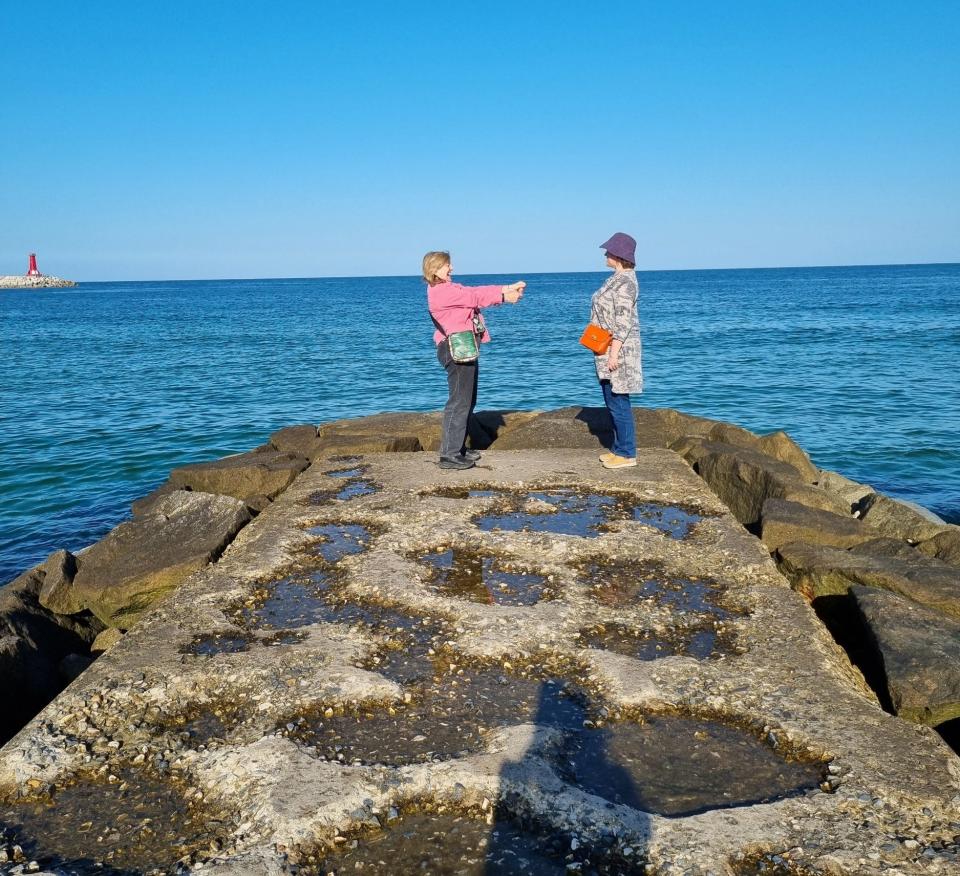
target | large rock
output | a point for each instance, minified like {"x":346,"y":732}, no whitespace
{"x":496,"y":424}
{"x":783,"y":521}
{"x":262,"y":473}
{"x":384,"y":433}
{"x":818,"y":570}
{"x":567,"y":428}
{"x":744,"y":479}
{"x":920,"y":650}
{"x":33,"y":642}
{"x":778,"y":445}
{"x":945,"y":545}
{"x":781,"y":446}
{"x":57,"y":592}
{"x":850,"y":492}
{"x":141,"y":561}
{"x":899,"y":519}
{"x":661,"y":427}
{"x":299,"y":440}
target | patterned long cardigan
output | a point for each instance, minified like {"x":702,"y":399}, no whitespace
{"x":614,"y":307}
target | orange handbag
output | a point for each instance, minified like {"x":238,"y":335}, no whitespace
{"x":596,"y":338}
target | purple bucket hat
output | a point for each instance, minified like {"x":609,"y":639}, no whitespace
{"x":623,"y":246}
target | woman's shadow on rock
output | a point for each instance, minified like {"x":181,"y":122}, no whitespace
{"x":533,"y":846}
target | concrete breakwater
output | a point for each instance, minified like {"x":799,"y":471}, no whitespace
{"x":42,"y":282}
{"x":330,"y":644}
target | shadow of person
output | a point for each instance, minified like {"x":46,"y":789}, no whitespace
{"x":534,"y":847}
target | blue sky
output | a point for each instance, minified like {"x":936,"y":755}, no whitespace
{"x":170,"y":139}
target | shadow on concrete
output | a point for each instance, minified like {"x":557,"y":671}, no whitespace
{"x":521,"y":844}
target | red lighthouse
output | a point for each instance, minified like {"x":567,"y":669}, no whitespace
{"x":33,"y":270}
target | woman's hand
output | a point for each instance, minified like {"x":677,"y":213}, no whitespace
{"x":613,"y":355}
{"x":514,"y":292}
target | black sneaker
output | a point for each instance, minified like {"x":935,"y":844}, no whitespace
{"x":456,"y":462}
{"x":470,"y":454}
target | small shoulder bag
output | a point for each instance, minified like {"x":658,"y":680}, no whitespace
{"x":463,"y":345}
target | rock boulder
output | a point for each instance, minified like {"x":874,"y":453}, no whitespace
{"x":745,"y":478}
{"x":898,"y":519}
{"x":141,"y":561}
{"x":783,"y":521}
{"x":266,"y":473}
{"x":920,"y":651}
{"x":817,"y":570}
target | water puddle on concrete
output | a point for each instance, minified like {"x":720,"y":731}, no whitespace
{"x":485,"y":579}
{"x":588,"y":515}
{"x":446,"y":716}
{"x":355,"y":483}
{"x":623,"y":584}
{"x":680,"y":766}
{"x":703,"y":643}
{"x":339,"y":540}
{"x":138,"y":823}
{"x":461,"y":844}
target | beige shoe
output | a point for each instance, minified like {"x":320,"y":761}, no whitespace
{"x":606,"y":457}
{"x":619,"y":461}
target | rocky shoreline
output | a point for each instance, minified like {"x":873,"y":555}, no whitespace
{"x":882,"y":575}
{"x":13,"y":281}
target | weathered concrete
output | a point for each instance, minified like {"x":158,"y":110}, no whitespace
{"x":920,"y":650}
{"x":890,"y":802}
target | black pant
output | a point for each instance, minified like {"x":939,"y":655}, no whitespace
{"x":462,"y":382}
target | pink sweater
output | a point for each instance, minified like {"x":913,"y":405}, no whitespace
{"x":453,"y":305}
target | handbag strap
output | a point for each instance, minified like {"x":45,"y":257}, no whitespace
{"x":440,"y":328}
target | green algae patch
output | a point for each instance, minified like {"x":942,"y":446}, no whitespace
{"x":449,"y":841}
{"x":569,"y":511}
{"x":446,"y":716}
{"x":487,"y":579}
{"x":628,"y":583}
{"x":709,"y":641}
{"x":128,"y":820}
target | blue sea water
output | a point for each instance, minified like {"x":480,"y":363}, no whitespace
{"x":108,"y":386}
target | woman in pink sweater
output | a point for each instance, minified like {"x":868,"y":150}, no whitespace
{"x":454,"y":308}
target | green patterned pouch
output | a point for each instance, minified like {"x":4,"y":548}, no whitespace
{"x":463,"y":346}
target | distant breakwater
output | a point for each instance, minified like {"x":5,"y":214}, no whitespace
{"x":12,"y":281}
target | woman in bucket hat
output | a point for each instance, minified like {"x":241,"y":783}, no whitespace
{"x":614,"y":307}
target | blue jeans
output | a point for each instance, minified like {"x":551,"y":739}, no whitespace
{"x":624,"y":435}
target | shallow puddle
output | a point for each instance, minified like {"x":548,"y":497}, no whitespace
{"x":446,"y":717}
{"x":339,"y":540}
{"x":139,"y":823}
{"x":348,"y":472}
{"x":355,"y":488}
{"x":465,"y":493}
{"x":465,"y":845}
{"x":569,"y":512}
{"x":490,"y":580}
{"x":701,"y":643}
{"x":680,"y":766}
{"x":618,"y":584}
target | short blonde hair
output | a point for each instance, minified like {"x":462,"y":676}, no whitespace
{"x":432,"y":262}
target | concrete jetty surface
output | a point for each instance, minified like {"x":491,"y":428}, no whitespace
{"x":398,"y":669}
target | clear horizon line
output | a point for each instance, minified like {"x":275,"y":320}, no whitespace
{"x":500,"y":273}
